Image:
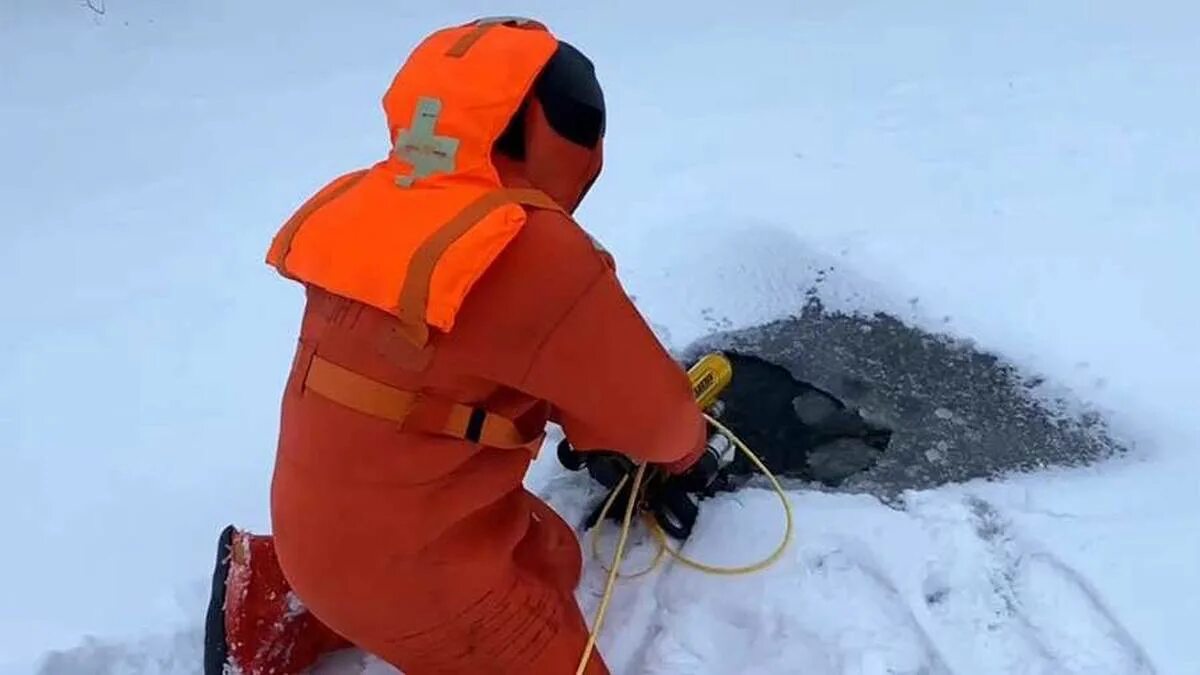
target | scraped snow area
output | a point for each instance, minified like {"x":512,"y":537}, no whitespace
{"x":1023,"y":174}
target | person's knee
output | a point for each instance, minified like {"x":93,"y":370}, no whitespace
{"x":550,"y":550}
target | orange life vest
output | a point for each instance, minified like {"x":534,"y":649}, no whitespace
{"x":412,"y":234}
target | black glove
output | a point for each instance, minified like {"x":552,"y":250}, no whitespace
{"x":673,"y":500}
{"x":570,"y":458}
{"x":718,"y":453}
{"x":607,"y":469}
{"x":675,"y":507}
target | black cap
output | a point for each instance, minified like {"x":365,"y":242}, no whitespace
{"x":571,"y":96}
{"x":572,"y":99}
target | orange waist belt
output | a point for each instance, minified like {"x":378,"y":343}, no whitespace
{"x":414,"y":411}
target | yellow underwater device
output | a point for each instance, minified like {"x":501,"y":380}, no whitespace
{"x":710,"y":376}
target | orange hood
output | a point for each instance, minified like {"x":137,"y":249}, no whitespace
{"x":490,"y":78}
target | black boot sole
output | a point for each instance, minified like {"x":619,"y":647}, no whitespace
{"x":216,"y":649}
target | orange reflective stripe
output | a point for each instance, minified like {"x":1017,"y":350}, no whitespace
{"x":283,"y":240}
{"x":459,"y":49}
{"x":534,"y":198}
{"x":344,"y":386}
{"x":370,"y":397}
{"x":414,"y":298}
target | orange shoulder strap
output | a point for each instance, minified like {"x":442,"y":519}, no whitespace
{"x":414,"y":297}
{"x":412,"y":410}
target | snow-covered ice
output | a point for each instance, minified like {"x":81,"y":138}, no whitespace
{"x":1021,"y":174}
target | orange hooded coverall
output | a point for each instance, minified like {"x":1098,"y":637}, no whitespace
{"x":398,"y":531}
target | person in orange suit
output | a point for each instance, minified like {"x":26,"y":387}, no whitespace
{"x":453,"y":309}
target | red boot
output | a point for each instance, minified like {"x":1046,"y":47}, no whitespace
{"x":256,"y":625}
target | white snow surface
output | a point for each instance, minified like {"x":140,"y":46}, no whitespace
{"x":1023,"y":174}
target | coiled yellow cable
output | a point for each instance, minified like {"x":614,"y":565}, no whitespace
{"x":665,"y":547}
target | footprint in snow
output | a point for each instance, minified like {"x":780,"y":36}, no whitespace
{"x":1075,"y":626}
{"x":1002,"y":606}
{"x":834,"y":614}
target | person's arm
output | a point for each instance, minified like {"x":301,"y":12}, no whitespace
{"x":613,"y":386}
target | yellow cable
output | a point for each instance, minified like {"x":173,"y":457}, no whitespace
{"x":745,"y":569}
{"x":660,"y":552}
{"x":616,"y":563}
{"x":664,"y":546}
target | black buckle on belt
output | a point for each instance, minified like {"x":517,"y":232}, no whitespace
{"x":475,"y":424}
